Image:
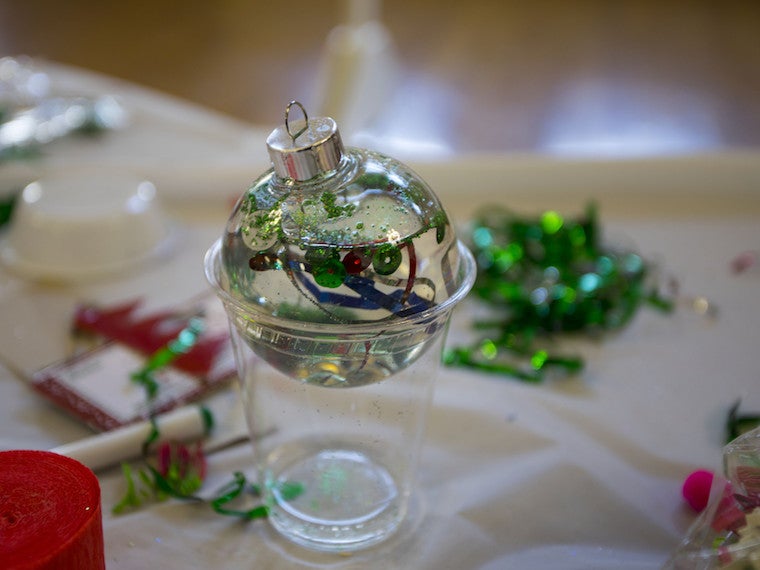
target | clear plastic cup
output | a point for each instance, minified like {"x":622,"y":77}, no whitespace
{"x":348,"y":406}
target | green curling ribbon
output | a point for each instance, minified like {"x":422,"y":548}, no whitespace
{"x":738,"y":424}
{"x":545,"y":277}
{"x":387,"y":259}
{"x":232,"y":491}
{"x":7,"y":203}
{"x":165,"y":355}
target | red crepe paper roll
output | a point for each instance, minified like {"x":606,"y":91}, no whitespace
{"x":50,"y":515}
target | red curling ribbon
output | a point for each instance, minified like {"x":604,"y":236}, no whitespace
{"x":744,"y":261}
{"x":50,"y":513}
{"x":149,"y":333}
{"x":412,"y":271}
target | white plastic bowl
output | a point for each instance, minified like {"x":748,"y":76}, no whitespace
{"x":84,"y":224}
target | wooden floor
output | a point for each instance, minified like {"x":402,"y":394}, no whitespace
{"x":587,"y":77}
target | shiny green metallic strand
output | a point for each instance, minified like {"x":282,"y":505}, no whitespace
{"x":738,"y":424}
{"x":538,"y":360}
{"x":7,"y":205}
{"x":488,"y":349}
{"x":464,"y":357}
{"x":551,"y":222}
{"x":546,"y":277}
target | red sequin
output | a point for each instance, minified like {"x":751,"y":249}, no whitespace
{"x":356,"y":262}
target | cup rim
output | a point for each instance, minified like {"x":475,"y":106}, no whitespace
{"x":467,"y":270}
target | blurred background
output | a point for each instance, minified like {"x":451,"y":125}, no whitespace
{"x":571,"y":78}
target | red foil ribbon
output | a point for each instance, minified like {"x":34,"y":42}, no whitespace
{"x":147,"y":334}
{"x":50,"y":513}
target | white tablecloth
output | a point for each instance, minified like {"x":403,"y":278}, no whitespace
{"x":578,"y":473}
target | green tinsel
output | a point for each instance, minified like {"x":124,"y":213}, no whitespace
{"x":545,"y":277}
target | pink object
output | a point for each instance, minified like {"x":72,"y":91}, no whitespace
{"x":696,"y":489}
{"x":744,"y":261}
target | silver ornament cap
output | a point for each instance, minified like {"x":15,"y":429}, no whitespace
{"x":305,"y":148}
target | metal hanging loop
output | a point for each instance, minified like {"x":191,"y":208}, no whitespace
{"x":294,"y":136}
{"x":318,"y":149}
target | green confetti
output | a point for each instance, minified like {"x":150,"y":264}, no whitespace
{"x":7,"y":204}
{"x":738,"y":424}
